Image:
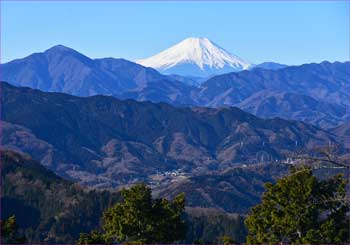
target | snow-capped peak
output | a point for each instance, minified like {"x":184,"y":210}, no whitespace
{"x":195,"y":57}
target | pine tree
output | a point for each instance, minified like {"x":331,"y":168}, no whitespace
{"x":301,"y":209}
{"x":141,"y":219}
{"x":227,"y":240}
{"x":9,"y":232}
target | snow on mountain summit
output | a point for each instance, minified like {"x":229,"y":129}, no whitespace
{"x":195,"y":57}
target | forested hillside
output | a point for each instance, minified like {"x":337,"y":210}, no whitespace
{"x":105,"y":142}
{"x":49,"y":209}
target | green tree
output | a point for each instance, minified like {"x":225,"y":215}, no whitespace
{"x":301,"y":209}
{"x":141,"y":219}
{"x":9,"y":231}
{"x":227,"y":240}
{"x":93,"y":237}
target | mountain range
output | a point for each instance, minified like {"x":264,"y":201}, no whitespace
{"x":105,"y":142}
{"x":193,"y":118}
{"x":108,"y":123}
{"x":315,"y":93}
{"x":323,"y":88}
{"x":62,"y":69}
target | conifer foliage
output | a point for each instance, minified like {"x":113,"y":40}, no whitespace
{"x":9,"y":231}
{"x":141,"y":219}
{"x":301,"y":209}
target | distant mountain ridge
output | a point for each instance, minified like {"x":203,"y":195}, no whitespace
{"x":270,"y":66}
{"x":62,"y":69}
{"x":324,"y":87}
{"x":324,"y":83}
{"x":270,"y":103}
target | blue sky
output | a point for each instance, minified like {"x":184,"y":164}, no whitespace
{"x":286,"y":32}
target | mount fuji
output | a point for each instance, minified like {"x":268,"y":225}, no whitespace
{"x":196,"y":57}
